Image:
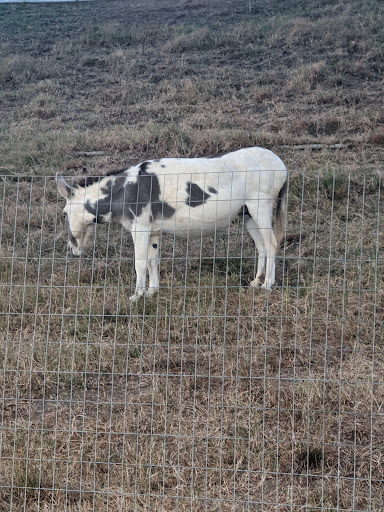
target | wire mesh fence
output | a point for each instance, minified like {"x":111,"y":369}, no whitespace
{"x":210,"y":395}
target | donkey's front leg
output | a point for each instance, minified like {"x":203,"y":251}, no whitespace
{"x":153,"y":264}
{"x":140,"y":235}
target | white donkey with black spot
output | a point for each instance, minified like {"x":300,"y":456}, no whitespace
{"x":188,"y":197}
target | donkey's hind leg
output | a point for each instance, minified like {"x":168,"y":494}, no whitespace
{"x":261,"y":213}
{"x":253,"y":230}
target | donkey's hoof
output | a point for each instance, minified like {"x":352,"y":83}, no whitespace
{"x":135,"y":297}
{"x":151,"y":292}
{"x":256,"y":283}
{"x":266,"y":288}
{"x":147,"y":294}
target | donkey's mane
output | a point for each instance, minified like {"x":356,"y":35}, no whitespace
{"x":86,"y":181}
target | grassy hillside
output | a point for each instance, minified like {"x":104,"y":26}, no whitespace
{"x":210,"y":396}
{"x":142,"y":79}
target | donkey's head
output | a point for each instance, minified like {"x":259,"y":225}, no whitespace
{"x":79,"y":219}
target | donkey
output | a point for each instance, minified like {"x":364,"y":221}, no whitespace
{"x":188,"y":197}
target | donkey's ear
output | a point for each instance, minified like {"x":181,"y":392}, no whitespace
{"x":85,"y":171}
{"x":62,"y":187}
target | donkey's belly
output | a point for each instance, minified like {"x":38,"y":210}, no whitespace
{"x":199,"y":221}
{"x":192,"y":232}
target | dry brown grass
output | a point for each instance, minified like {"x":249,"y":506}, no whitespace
{"x":210,"y":396}
{"x":208,"y":392}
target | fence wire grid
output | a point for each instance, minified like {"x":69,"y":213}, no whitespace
{"x":210,"y":396}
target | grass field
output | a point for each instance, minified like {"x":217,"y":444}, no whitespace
{"x":210,"y":396}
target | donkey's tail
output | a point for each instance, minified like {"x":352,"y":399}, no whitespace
{"x":281,"y":214}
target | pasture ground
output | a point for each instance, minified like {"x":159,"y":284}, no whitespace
{"x":210,"y":396}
